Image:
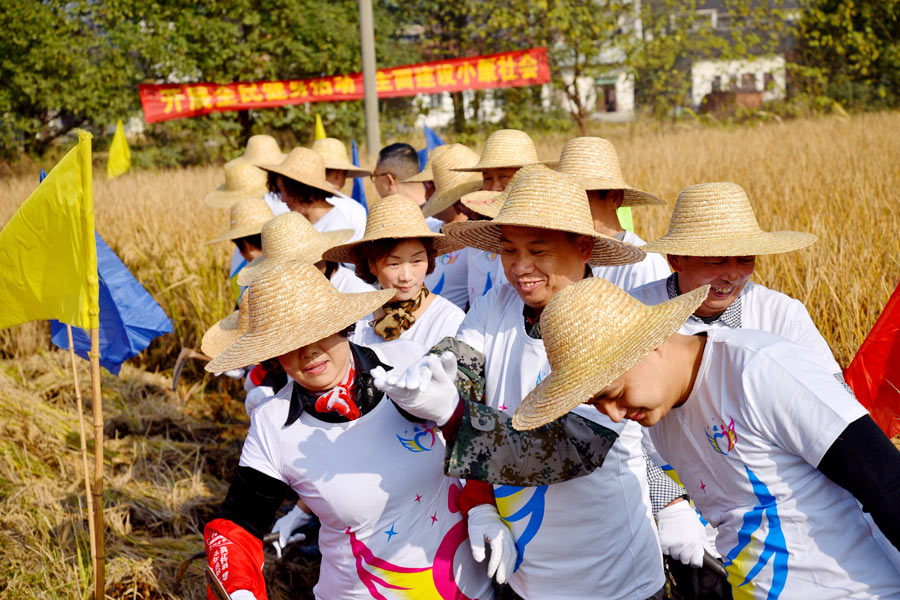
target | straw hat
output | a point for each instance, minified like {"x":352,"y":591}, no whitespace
{"x":426,"y":174}
{"x":303,"y":165}
{"x":226,"y":331}
{"x":716,"y":219}
{"x":394,"y":217}
{"x":261,"y":150}
{"x":594,"y":162}
{"x":290,"y":236}
{"x":242,"y":180}
{"x":450,"y":185}
{"x":334,"y":153}
{"x":247,"y":218}
{"x":594,"y":332}
{"x":485,"y":202}
{"x":291,"y":306}
{"x":506,"y":148}
{"x":542,"y":198}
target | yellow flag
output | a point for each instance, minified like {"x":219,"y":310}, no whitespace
{"x":320,"y":129}
{"x":48,"y":251}
{"x":119,"y":161}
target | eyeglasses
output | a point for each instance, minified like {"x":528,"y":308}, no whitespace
{"x":375,"y":176}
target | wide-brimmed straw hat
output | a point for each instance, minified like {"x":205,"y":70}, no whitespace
{"x":449,"y":185}
{"x":595,"y":164}
{"x":395,"y":217}
{"x":303,"y":165}
{"x":506,"y":149}
{"x":226,"y":331}
{"x":334,"y":153}
{"x":486,"y":203}
{"x":260,"y":150}
{"x":291,"y":306}
{"x":247,"y":218}
{"x":542,"y":198}
{"x":290,"y":236}
{"x":593,"y":333}
{"x":242,"y":181}
{"x":716,"y":219}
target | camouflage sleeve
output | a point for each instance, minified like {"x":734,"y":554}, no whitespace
{"x":487,"y":448}
{"x":469,"y":368}
{"x":663,"y":488}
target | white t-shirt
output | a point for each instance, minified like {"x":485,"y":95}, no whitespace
{"x":449,"y":276}
{"x":761,"y":416}
{"x":652,"y":268}
{"x":591,"y":537}
{"x":389,"y":515}
{"x":346,"y":214}
{"x":273,"y":199}
{"x":441,"y":319}
{"x":346,"y":281}
{"x":484,"y":272}
{"x":761,"y":308}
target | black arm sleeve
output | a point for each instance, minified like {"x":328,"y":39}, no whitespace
{"x":252,"y":500}
{"x":863,"y":461}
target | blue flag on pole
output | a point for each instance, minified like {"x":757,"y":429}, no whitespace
{"x":359,"y":193}
{"x":432,"y":141}
{"x":129,"y":317}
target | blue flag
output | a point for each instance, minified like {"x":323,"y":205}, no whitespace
{"x":129,"y":317}
{"x":432,"y":141}
{"x":359,"y":193}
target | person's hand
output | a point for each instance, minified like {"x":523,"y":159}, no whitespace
{"x":681,"y":534}
{"x":287,"y":525}
{"x":485,"y":525}
{"x":426,"y":389}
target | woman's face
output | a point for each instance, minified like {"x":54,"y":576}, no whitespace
{"x":320,"y":366}
{"x":404,"y":268}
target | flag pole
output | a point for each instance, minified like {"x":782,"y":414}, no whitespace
{"x":100,"y":563}
{"x":84,"y":457}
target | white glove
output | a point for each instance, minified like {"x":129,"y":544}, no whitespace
{"x":485,"y":524}
{"x":426,"y":389}
{"x":681,"y":534}
{"x":242,"y":595}
{"x":285,"y":527}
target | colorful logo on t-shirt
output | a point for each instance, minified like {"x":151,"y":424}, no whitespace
{"x":722,"y":438}
{"x":449,"y":258}
{"x":525,"y":505}
{"x":421,"y":439}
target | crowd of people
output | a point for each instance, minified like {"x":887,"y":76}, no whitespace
{"x":482,"y":385}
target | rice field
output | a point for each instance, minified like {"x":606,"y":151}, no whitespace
{"x":170,"y":453}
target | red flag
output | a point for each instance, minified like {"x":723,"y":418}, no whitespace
{"x":874,"y":373}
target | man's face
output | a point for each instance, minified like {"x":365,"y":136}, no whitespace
{"x":540,"y":262}
{"x":385,"y":182}
{"x":336,"y":177}
{"x":496,"y":180}
{"x":726,"y":275}
{"x":641,"y":394}
{"x":429,"y":189}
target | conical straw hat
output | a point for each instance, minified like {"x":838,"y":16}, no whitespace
{"x":247,"y":218}
{"x":394,"y":217}
{"x":291,"y":306}
{"x":261,"y":150}
{"x":226,"y":332}
{"x":334,"y":153}
{"x":290,"y":236}
{"x":716,"y":219}
{"x":450,"y":185}
{"x":541,"y":198}
{"x":595,"y":163}
{"x":506,"y":148}
{"x":303,"y":165}
{"x":593,"y":333}
{"x":242,"y":181}
{"x":485,"y":202}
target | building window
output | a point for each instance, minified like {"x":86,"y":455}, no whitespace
{"x":768,"y":82}
{"x":717,"y":83}
{"x":748,"y":82}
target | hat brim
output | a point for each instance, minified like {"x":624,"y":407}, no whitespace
{"x":485,"y":209}
{"x":322,"y":186}
{"x":284,"y":336}
{"x":349,"y":253}
{"x":422,"y":176}
{"x":221,"y":335}
{"x":311,"y":253}
{"x":222,"y":198}
{"x":485,"y":235}
{"x":237,"y":232}
{"x":443,"y":199}
{"x":566,"y":388}
{"x":775,"y":242}
{"x":352,"y":170}
{"x":494,"y":164}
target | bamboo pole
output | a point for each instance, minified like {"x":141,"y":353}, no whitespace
{"x":100,"y":564}
{"x":84,"y":457}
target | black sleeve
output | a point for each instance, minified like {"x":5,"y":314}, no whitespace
{"x":863,"y":461}
{"x":253,"y":500}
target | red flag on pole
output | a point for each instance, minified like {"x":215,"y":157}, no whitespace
{"x":874,"y":373}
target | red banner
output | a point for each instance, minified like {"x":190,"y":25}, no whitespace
{"x":505,"y":69}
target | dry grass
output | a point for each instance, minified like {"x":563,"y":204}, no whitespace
{"x":168,"y":458}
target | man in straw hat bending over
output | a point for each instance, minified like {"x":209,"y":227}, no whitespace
{"x":800,"y":482}
{"x":594,"y":162}
{"x":568,"y":547}
{"x":338,"y":167}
